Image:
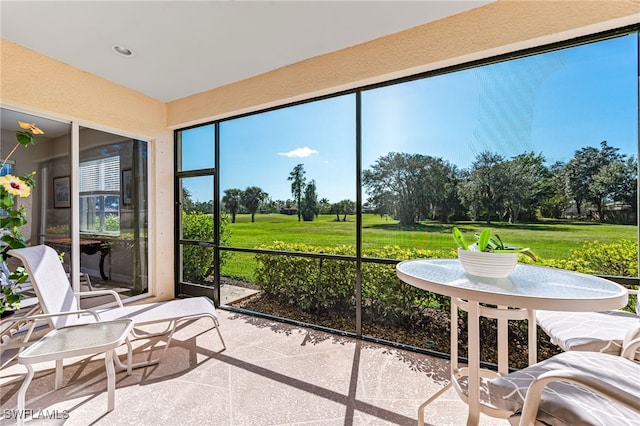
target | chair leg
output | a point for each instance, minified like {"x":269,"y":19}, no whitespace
{"x":216,"y":324}
{"x":129,"y":365}
{"x":170,"y":330}
{"x":87,"y":281}
{"x":84,"y":279}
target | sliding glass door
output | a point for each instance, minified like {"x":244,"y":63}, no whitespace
{"x":113,"y":210}
{"x":90,"y":202}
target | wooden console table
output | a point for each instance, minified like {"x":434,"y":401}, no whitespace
{"x":86,"y":246}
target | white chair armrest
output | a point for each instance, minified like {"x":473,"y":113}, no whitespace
{"x":630,"y":348}
{"x":609,"y":390}
{"x":102,"y":292}
{"x":631,"y":343}
{"x":36,"y":318}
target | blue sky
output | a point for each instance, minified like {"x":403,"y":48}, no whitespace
{"x":552,"y":104}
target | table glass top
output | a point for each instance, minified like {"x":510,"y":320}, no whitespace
{"x":83,"y":337}
{"x":446,"y":276}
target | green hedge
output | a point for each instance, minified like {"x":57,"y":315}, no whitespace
{"x":197,"y":261}
{"x":329,"y":284}
{"x":619,"y":258}
{"x":304,"y":282}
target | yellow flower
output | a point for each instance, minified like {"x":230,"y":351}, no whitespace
{"x":15,"y":186}
{"x":32,"y":127}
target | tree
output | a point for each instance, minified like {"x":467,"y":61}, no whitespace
{"x":383,"y":204}
{"x":186,"y":202}
{"x":269,"y":205}
{"x":616,"y":181}
{"x":309,"y":208}
{"x":388,"y":182}
{"x":580,"y":170}
{"x":297,"y":185}
{"x":348,"y":207}
{"x":232,"y":200}
{"x":205,"y":207}
{"x":441,"y":189}
{"x":556,"y":200}
{"x":336,"y":209}
{"x":525,"y":188}
{"x":324,"y":206}
{"x":251,"y":199}
{"x":627,"y":190}
{"x":344,"y":207}
{"x":411,"y":187}
{"x":485,"y":186}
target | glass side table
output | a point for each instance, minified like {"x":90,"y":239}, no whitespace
{"x":77,"y":340}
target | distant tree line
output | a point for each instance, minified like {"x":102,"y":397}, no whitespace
{"x":414,"y":187}
{"x":306,"y":198}
{"x":188,"y":205}
{"x":596,"y":184}
{"x":305,"y":202}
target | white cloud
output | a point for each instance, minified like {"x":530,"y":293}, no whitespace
{"x":299,"y":152}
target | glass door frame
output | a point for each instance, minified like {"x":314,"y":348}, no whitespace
{"x":182,"y":287}
{"x":75,"y":204}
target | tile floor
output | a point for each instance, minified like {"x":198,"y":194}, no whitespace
{"x":270,"y":374}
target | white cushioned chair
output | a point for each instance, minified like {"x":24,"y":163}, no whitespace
{"x":589,"y":331}
{"x":573,"y":388}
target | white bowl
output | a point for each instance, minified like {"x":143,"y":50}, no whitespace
{"x":487,"y":264}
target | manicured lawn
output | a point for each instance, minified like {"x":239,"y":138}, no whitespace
{"x":546,"y":239}
{"x":549,"y":240}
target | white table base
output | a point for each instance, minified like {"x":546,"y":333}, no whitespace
{"x":473,"y":371}
{"x":527,"y":288}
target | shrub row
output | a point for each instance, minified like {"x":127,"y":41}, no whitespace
{"x":198,"y":261}
{"x":329,"y":284}
{"x":618,"y":258}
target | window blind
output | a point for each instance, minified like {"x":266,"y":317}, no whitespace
{"x":100,"y":175}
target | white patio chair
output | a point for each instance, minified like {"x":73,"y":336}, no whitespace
{"x":574,"y":388}
{"x":52,"y":288}
{"x":589,"y":331}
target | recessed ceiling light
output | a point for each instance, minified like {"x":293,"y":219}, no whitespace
{"x":122,"y":50}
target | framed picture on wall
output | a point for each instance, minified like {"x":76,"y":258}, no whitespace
{"x":126,"y":187}
{"x":61,"y":192}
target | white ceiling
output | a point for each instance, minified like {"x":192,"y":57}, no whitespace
{"x":186,"y":47}
{"x":51,"y":128}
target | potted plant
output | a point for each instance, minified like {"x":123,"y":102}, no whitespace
{"x":488,"y":256}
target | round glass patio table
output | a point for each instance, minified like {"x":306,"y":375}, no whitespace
{"x":515,"y":297}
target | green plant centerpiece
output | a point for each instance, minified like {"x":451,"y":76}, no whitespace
{"x":488,"y":256}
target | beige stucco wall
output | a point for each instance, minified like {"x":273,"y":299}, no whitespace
{"x":40,"y":85}
{"x":506,"y":25}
